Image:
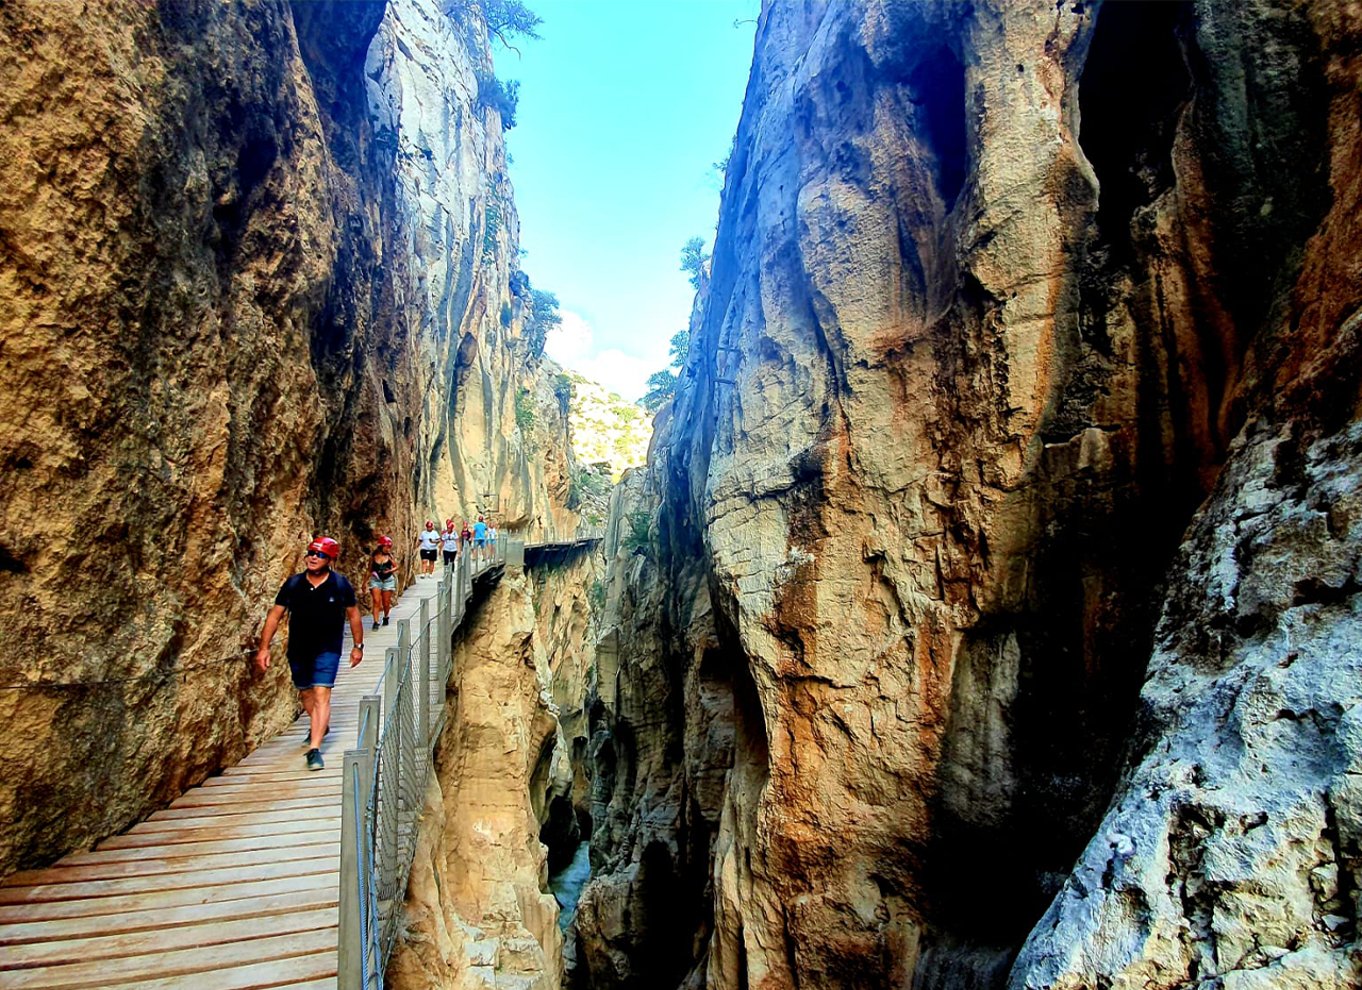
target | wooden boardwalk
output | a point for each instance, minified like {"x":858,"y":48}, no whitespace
{"x":234,"y":886}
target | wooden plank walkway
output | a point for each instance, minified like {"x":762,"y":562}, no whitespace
{"x":232,"y":887}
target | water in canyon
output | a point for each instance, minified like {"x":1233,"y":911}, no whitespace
{"x":566,"y":885}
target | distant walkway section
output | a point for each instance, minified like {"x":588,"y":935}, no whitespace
{"x":555,"y":551}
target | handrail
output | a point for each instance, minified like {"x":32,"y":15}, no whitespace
{"x":385,"y":775}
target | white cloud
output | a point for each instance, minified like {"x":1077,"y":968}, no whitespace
{"x":570,"y":341}
{"x":571,"y":345}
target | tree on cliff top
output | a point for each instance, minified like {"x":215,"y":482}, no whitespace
{"x":505,"y":19}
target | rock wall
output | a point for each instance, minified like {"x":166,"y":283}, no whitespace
{"x":257,"y":272}
{"x":465,"y":309}
{"x":1001,"y":294}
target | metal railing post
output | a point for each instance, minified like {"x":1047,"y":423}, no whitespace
{"x":443,"y":633}
{"x":391,"y":680}
{"x":370,"y":707}
{"x":351,"y":944}
{"x":423,"y":676}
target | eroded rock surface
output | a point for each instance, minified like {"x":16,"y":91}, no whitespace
{"x":998,"y":292}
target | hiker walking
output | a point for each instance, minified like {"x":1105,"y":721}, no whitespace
{"x":480,"y":538}
{"x":319,"y":602}
{"x":382,"y":579}
{"x":429,"y":543}
{"x":449,"y":543}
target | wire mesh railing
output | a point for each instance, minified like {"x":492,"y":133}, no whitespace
{"x":385,"y":775}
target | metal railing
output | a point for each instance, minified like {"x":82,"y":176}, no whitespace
{"x":590,"y":536}
{"x":385,"y":775}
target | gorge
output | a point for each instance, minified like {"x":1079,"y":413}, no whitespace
{"x":986,"y":613}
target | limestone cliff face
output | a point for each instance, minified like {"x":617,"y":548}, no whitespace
{"x":463,"y":308}
{"x":253,"y":290}
{"x":1001,"y":293}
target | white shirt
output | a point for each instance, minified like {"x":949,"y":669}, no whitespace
{"x":430,"y":540}
{"x":451,"y":540}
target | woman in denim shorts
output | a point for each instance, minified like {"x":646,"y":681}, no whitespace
{"x":382,"y":579}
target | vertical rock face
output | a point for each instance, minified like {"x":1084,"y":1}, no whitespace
{"x":463,"y":308}
{"x":253,"y":291}
{"x":1001,"y":293}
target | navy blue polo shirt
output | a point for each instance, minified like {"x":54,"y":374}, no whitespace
{"x":316,"y":616}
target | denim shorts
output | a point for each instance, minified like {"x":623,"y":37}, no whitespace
{"x":319,"y":671}
{"x":388,"y":583}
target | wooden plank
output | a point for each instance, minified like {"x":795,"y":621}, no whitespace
{"x":266,"y":774}
{"x":228,"y":821}
{"x":310,"y":985}
{"x":295,"y":780}
{"x":180,"y":897}
{"x":167,"y":917}
{"x":203,"y":797}
{"x":318,"y":968}
{"x":154,"y":968}
{"x":150,"y":864}
{"x":304,"y":834}
{"x":167,"y":881}
{"x":246,"y":834}
{"x":116,"y":946}
{"x":242,"y":808}
{"x":288,"y":759}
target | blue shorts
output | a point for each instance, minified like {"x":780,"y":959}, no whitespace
{"x":319,"y":671}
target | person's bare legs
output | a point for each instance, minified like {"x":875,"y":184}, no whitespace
{"x":387,"y":605}
{"x":317,"y":703}
{"x":376,"y":601}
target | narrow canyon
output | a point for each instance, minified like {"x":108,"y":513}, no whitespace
{"x":986,"y":615}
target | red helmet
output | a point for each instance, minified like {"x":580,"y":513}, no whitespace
{"x":429,"y":523}
{"x":385,"y":541}
{"x":449,"y":524}
{"x":326,"y":545}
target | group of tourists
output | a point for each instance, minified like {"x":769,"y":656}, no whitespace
{"x":481,"y":541}
{"x":319,"y":601}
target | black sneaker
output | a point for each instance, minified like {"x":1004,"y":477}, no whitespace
{"x":385,"y":620}
{"x":314,"y":760}
{"x":375,"y":623}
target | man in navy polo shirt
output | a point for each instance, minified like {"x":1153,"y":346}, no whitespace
{"x":318,"y":602}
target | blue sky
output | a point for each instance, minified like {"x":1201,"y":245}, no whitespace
{"x":624,"y":108}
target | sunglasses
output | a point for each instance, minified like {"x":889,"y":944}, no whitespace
{"x":316,"y":553}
